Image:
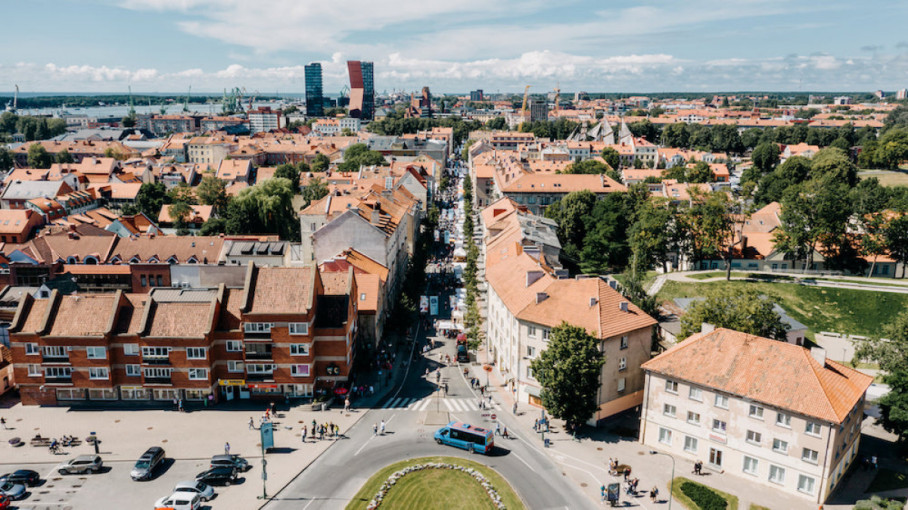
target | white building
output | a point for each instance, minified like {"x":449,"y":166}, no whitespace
{"x":264,"y":119}
{"x":770,"y":412}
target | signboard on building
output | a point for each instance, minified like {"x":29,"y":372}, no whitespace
{"x":232,"y":382}
{"x":423,"y":304}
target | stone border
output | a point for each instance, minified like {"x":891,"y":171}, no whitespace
{"x":392,"y":480}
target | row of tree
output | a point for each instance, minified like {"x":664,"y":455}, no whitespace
{"x":34,"y":128}
{"x":395,"y":124}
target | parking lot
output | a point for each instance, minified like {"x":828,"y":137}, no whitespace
{"x":189,"y":440}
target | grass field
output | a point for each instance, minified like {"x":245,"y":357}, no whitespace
{"x":886,"y":177}
{"x":858,"y":312}
{"x":690,"y":505}
{"x":887,"y":480}
{"x":436,"y":488}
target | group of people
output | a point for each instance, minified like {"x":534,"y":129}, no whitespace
{"x":378,"y":429}
{"x":321,"y":430}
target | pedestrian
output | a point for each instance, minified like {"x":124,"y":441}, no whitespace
{"x":210,"y":399}
{"x":654,"y":493}
{"x":515,"y":408}
{"x":873,"y":462}
{"x":627,"y":474}
{"x":382,"y":427}
{"x":602,"y":492}
{"x":313,"y":429}
{"x":336,"y":431}
{"x":180,"y":404}
{"x":504,"y":433}
{"x":536,"y":428}
{"x":347,"y":404}
{"x":374,"y":429}
{"x":446,"y":389}
{"x":251,"y":423}
{"x":497,"y":428}
{"x":371,"y":390}
{"x":226,"y":448}
{"x":175,"y":404}
{"x":305,"y":433}
{"x":3,"y":424}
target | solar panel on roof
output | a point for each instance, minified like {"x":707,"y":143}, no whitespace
{"x":262,"y":249}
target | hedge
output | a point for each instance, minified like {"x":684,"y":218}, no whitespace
{"x":703,"y":496}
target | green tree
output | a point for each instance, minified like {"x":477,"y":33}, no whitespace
{"x":569,"y":370}
{"x":497,"y":124}
{"x":213,"y":227}
{"x":570,"y":212}
{"x":179,"y":212}
{"x":766,"y":156}
{"x":676,"y":135}
{"x":150,"y":199}
{"x":611,"y":157}
{"x":358,"y":155}
{"x":64,"y":157}
{"x":292,"y":172}
{"x":6,"y":159}
{"x":315,"y":190}
{"x":128,"y":121}
{"x":38,"y":157}
{"x":264,"y":208}
{"x":605,"y":247}
{"x":213,"y":191}
{"x":895,"y":235}
{"x":892,"y":356}
{"x":699,"y":173}
{"x":833,"y":165}
{"x":741,"y":309}
{"x":650,"y":235}
{"x":794,"y":170}
{"x":465,"y":151}
{"x":710,"y":221}
{"x":320,"y":163}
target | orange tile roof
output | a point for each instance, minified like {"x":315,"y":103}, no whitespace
{"x":775,"y":373}
{"x":83,"y":315}
{"x":34,"y":316}
{"x":179,"y":320}
{"x":282,"y":290}
{"x":370,"y":285}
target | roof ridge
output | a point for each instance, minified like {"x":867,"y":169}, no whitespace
{"x":813,"y":364}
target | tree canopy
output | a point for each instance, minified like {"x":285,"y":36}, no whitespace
{"x":741,"y":309}
{"x":892,"y":356}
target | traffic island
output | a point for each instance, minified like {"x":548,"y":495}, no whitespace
{"x":436,"y":482}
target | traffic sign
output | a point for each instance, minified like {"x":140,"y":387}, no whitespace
{"x":494,"y":417}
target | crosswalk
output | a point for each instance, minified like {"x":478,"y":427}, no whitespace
{"x":430,"y":403}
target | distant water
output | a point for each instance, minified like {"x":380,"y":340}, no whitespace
{"x":122,"y":110}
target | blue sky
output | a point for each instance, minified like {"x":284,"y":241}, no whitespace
{"x":456,"y":45}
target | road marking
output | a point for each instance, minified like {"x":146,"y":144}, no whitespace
{"x":521,"y":460}
{"x":471,"y":404}
{"x":374,"y":436}
{"x":450,"y":406}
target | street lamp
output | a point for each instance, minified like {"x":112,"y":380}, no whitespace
{"x":670,"y":482}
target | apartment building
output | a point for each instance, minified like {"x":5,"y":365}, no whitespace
{"x":770,"y":412}
{"x":264,"y":119}
{"x":283,"y":333}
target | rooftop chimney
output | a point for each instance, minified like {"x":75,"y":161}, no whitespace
{"x":819,"y":354}
{"x":707,"y":327}
{"x":622,"y":305}
{"x":376,"y":215}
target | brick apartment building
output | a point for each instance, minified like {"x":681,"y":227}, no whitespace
{"x":284,"y":332}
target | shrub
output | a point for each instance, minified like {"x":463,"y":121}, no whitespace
{"x":703,"y":496}
{"x":878,"y":503}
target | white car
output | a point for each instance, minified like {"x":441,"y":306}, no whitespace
{"x":205,"y":491}
{"x":179,"y":501}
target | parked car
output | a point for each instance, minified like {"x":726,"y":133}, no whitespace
{"x":81,"y":464}
{"x":205,"y":491}
{"x":147,"y":463}
{"x":179,"y":501}
{"x":217,"y":475}
{"x":12,"y":490}
{"x":235,"y":461}
{"x":5,"y":502}
{"x":23,"y":476}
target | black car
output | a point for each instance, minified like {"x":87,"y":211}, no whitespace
{"x":22,"y":476}
{"x":218,"y":476}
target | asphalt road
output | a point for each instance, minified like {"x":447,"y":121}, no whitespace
{"x":335,"y":477}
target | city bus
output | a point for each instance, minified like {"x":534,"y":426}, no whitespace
{"x":466,"y":436}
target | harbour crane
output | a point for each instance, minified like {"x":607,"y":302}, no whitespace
{"x":186,"y":102}
{"x":557,"y":95}
{"x":12,"y":107}
{"x":526,"y":94}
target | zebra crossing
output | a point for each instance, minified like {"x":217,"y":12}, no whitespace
{"x":429,"y":403}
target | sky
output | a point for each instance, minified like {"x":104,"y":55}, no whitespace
{"x":454,"y":46}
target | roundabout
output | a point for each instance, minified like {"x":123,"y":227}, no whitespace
{"x":436,"y":482}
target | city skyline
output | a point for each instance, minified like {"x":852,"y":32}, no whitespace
{"x":702,"y":45}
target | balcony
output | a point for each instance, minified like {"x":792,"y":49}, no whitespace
{"x":260,"y":377}
{"x":256,"y":335}
{"x":259,"y":355}
{"x":58,"y":378}
{"x":55,"y":358}
{"x":158,"y":380}
{"x":155,"y":360}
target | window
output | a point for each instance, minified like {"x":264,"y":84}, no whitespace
{"x":690,"y":444}
{"x":665,"y":436}
{"x":545,"y":335}
{"x":198,"y":374}
{"x":131,"y":349}
{"x":63,"y":372}
{"x":696,"y":394}
{"x":783,"y":420}
{"x":624,"y":342}
{"x":155,"y":352}
{"x":196,"y":353}
{"x":812,"y":428}
{"x":98,"y":373}
{"x":808,"y":455}
{"x":756,"y":412}
{"x":722,"y":401}
{"x":776,"y":474}
{"x":34,"y":370}
{"x":260,"y":368}
{"x":669,"y":410}
{"x":160,"y":282}
{"x":671,"y":387}
{"x":234,"y":346}
{"x":531,"y":331}
{"x":529,"y":371}
{"x":299,"y":328}
{"x":622,"y":382}
{"x":299,"y":349}
{"x":157,"y":373}
{"x":143,"y":280}
{"x":779,"y":446}
{"x":754,"y":437}
{"x":235,"y":366}
{"x":622,"y":364}
{"x":54,"y":351}
{"x":32,"y":348}
{"x":806,"y":484}
{"x":719,"y":426}
{"x":133,"y":370}
{"x":750,"y":465}
{"x":257,"y":327}
{"x":693,"y":417}
{"x":299,"y":370}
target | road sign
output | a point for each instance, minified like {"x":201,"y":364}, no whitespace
{"x":485,"y":415}
{"x":494,"y":417}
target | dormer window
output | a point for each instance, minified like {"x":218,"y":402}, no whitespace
{"x":135,"y":260}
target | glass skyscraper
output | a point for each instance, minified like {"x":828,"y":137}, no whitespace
{"x":315,"y":102}
{"x":362,"y":89}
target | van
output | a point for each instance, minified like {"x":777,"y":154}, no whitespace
{"x":147,"y":463}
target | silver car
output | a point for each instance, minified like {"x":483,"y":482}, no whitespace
{"x":81,"y":464}
{"x":204,"y":491}
{"x":12,"y":490}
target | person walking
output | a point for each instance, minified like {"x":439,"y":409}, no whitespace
{"x":3,"y":423}
{"x":226,"y":448}
{"x":497,"y":428}
{"x":504,"y":433}
{"x":180,"y":404}
{"x":374,"y":429}
{"x":251,"y":423}
{"x":602,"y":492}
{"x":305,"y":433}
{"x":347,"y":405}
{"x":514,"y":409}
{"x":654,"y":493}
{"x":382,"y":427}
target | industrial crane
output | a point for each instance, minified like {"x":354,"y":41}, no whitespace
{"x":186,"y":102}
{"x":526,"y":93}
{"x":557,"y":95}
{"x":12,"y":107}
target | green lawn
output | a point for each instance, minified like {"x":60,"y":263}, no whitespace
{"x":886,"y":177}
{"x":690,"y":505}
{"x":758,"y":507}
{"x":715,"y":274}
{"x":436,"y":488}
{"x":858,"y":312}
{"x":887,"y":480}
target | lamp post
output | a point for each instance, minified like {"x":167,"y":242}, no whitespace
{"x":670,"y":482}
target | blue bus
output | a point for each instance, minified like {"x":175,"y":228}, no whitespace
{"x":466,"y":436}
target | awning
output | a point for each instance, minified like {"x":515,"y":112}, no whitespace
{"x":532,"y":390}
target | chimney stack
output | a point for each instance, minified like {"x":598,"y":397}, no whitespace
{"x":819,"y":354}
{"x":707,"y":327}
